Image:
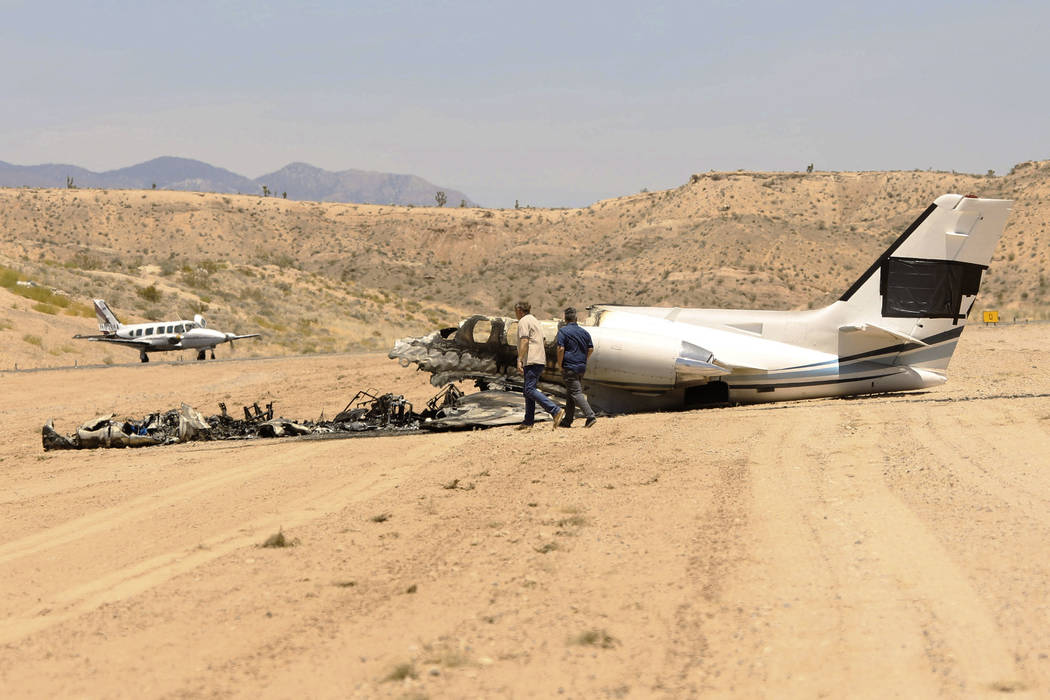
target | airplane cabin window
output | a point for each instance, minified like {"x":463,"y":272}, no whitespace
{"x":170,"y":329}
{"x":138,"y":332}
{"x":180,"y":328}
{"x":149,"y":331}
{"x":482,"y":330}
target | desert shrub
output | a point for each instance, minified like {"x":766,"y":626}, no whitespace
{"x":8,"y":277}
{"x":401,"y":672}
{"x":83,"y":260}
{"x":195,"y":278}
{"x":150,"y":293}
{"x":82,"y":310}
{"x":41,"y":295}
{"x":595,"y":638}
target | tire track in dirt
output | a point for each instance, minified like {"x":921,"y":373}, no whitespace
{"x":839,"y":566}
{"x":1022,"y":444}
{"x":984,"y":499}
{"x":785,"y":560}
{"x":137,"y":577}
{"x":716,"y":545}
{"x":963,"y":646}
{"x":109,"y":518}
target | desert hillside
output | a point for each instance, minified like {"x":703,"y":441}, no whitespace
{"x":322,"y":277}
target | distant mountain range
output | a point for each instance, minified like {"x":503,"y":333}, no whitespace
{"x":298,"y":181}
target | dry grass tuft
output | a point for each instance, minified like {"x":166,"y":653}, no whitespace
{"x":595,"y":638}
{"x":401,"y":672}
{"x":278,"y":540}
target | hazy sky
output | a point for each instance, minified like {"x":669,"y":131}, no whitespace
{"x":550,"y":103}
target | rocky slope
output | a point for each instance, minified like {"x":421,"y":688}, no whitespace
{"x":329,"y":277}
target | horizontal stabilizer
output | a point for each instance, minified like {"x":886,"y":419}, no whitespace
{"x":873,"y":329}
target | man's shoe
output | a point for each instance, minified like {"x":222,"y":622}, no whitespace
{"x":565,"y":423}
{"x":556,"y":418}
{"x":523,"y":426}
{"x":590,"y":422}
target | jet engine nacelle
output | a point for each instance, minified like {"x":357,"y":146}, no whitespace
{"x":645,"y":361}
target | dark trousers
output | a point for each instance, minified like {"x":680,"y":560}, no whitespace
{"x":574,"y":387}
{"x":534,"y":396}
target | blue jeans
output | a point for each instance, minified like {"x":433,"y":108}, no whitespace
{"x":574,"y":386}
{"x":534,"y":395}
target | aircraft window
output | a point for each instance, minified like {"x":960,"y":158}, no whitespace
{"x":149,"y":331}
{"x":190,"y":326}
{"x":138,"y":332}
{"x":512,"y":333}
{"x":482,"y":330}
{"x":170,"y":329}
{"x":180,"y":328}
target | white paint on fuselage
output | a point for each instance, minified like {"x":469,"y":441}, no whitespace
{"x":182,"y":335}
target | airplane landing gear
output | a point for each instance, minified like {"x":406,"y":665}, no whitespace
{"x":201,"y":355}
{"x":144,"y":357}
{"x":213,"y":353}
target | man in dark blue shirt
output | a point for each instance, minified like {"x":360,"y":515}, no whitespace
{"x":574,"y":348}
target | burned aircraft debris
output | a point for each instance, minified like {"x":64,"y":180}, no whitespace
{"x":482,"y":348}
{"x":482,"y":409}
{"x":368,"y":412}
{"x":176,"y":425}
{"x":369,"y":408}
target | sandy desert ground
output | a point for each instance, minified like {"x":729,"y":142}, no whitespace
{"x":884,"y":546}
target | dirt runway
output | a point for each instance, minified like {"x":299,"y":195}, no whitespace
{"x":885,"y":546}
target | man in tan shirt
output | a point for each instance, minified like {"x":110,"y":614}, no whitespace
{"x":531,"y":360}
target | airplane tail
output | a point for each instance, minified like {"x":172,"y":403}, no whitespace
{"x":914,"y":300}
{"x":107,"y":322}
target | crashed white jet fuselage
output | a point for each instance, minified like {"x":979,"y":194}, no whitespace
{"x":893,"y":330}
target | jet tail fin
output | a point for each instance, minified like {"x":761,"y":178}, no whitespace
{"x":921,"y":290}
{"x":933,"y":270}
{"x":107,"y":322}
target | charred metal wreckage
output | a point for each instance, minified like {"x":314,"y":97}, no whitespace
{"x":481,"y":348}
{"x":367,"y":413}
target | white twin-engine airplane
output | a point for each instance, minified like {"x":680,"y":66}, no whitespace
{"x":160,"y":336}
{"x":893,"y":330}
